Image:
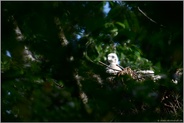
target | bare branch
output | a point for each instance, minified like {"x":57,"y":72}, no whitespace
{"x":108,"y":66}
{"x":146,"y":15}
{"x":120,"y":66}
{"x":103,"y":64}
{"x":61,"y":86}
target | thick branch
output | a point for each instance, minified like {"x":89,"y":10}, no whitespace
{"x":24,"y":53}
{"x":64,"y":41}
{"x":18,"y":33}
{"x":82,"y":94}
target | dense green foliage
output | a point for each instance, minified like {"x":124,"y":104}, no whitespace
{"x":68,"y":39}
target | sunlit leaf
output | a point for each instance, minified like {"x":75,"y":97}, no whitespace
{"x":121,"y":24}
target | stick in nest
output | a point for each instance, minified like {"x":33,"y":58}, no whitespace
{"x":110,"y":67}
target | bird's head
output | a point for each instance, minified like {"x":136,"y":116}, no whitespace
{"x":112,"y":58}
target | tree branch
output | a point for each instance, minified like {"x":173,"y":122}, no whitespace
{"x":146,"y":15}
{"x":108,"y":66}
{"x":120,"y":66}
{"x":61,"y":86}
{"x":18,"y":33}
{"x":64,"y":41}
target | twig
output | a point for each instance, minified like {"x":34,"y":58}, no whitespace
{"x":108,"y":66}
{"x":61,"y":86}
{"x":167,"y":105}
{"x":103,"y":64}
{"x":146,"y":15}
{"x":119,"y":66}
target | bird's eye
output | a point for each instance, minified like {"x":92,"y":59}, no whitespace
{"x":112,"y":56}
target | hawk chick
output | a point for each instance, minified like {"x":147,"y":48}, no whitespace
{"x":113,"y":69}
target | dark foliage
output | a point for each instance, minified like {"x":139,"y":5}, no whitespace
{"x":62,"y":80}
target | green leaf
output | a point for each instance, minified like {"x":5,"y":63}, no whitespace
{"x":121,"y":24}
